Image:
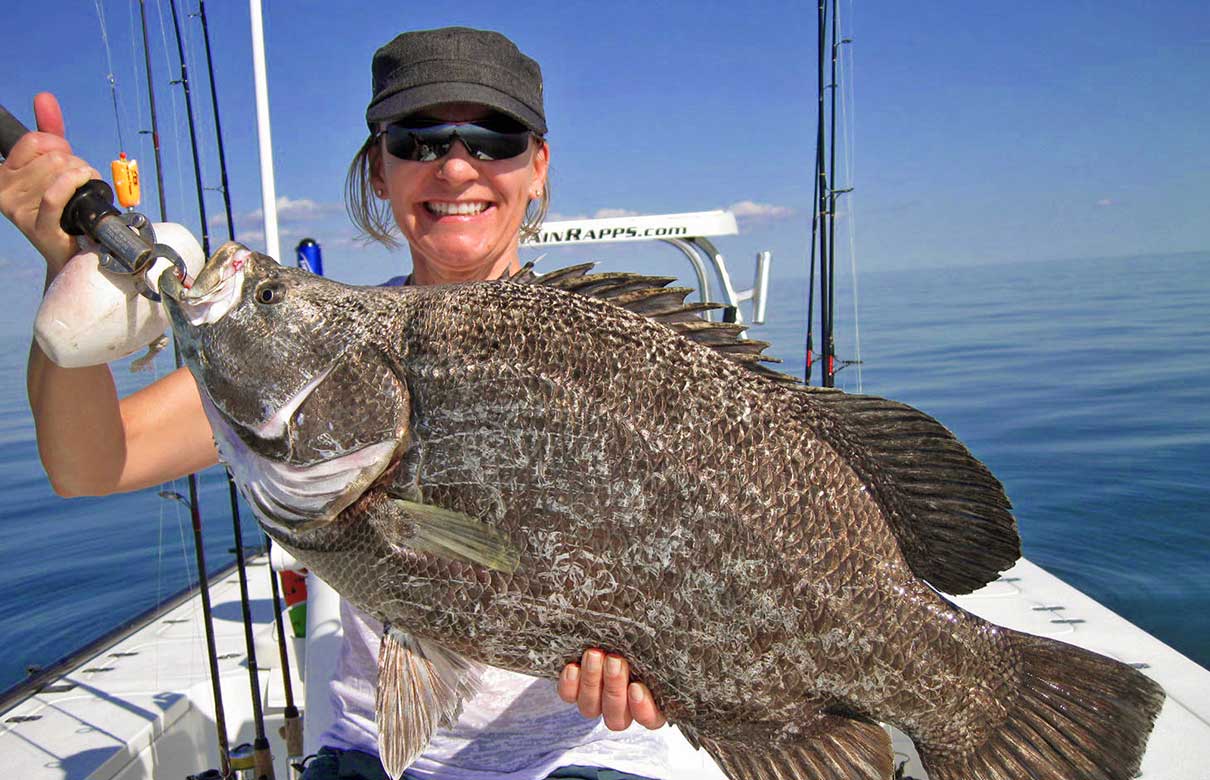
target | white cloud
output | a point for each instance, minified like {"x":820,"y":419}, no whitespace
{"x":752,"y":211}
{"x":305,"y":208}
{"x":598,"y":214}
{"x":1103,"y":202}
{"x":288,"y":210}
{"x":605,"y":213}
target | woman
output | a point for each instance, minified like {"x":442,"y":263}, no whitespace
{"x":456,"y":160}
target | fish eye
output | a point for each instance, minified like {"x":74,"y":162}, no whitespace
{"x":270,"y":292}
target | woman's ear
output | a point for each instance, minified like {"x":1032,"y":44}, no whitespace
{"x":541,"y":165}
{"x":377,"y":179}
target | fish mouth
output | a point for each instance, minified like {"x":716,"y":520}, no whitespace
{"x":217,"y":289}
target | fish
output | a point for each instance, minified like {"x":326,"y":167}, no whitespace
{"x":508,"y":472}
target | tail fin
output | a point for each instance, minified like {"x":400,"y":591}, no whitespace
{"x":1077,"y":716}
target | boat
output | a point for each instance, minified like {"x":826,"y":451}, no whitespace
{"x":138,"y":702}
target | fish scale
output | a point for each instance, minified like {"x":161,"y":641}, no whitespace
{"x":532,"y":471}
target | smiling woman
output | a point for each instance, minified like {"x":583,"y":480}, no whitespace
{"x":456,"y":161}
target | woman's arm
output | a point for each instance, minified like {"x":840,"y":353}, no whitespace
{"x":91,"y":443}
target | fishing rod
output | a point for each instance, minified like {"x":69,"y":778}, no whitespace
{"x":811,"y":280}
{"x":263,"y":761}
{"x":821,"y":205}
{"x":830,"y":345}
{"x":293,"y":727}
{"x":195,"y":516}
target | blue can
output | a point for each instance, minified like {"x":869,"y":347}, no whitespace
{"x":309,"y":257}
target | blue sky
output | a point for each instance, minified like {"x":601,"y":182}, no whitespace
{"x":981,"y":132}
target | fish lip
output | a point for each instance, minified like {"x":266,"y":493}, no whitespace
{"x":170,"y":285}
{"x":217,"y":289}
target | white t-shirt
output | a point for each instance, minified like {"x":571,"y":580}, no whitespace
{"x":515,"y":728}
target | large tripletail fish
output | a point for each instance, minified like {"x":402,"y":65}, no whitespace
{"x":514,"y":471}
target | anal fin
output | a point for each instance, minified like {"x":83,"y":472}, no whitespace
{"x":836,"y":748}
{"x":421,"y":686}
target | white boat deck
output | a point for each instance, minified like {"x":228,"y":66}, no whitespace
{"x":142,"y":707}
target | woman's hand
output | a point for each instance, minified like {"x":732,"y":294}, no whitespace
{"x":38,"y":179}
{"x":600,"y":685}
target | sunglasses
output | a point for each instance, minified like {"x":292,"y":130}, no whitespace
{"x":492,"y":138}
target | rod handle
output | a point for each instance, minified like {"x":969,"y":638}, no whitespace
{"x":263,"y":759}
{"x":92,"y":203}
{"x":293,"y":732}
{"x":11,"y":131}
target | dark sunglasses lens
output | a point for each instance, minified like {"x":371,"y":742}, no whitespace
{"x":486,"y":144}
{"x":416,"y":143}
{"x":425,"y":144}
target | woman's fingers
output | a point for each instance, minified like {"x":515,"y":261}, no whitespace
{"x":589,"y":696}
{"x":642,"y":706}
{"x":615,"y":707}
{"x":600,"y":686}
{"x":38,"y":179}
{"x":569,"y":683}
{"x":48,"y":115}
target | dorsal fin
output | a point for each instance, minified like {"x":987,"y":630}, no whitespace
{"x":651,"y":297}
{"x":949,"y":513}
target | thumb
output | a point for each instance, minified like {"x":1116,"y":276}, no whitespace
{"x":48,"y":114}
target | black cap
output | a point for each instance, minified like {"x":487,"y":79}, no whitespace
{"x":425,"y":68}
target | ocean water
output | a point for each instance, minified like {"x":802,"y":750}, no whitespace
{"x":1084,"y":385}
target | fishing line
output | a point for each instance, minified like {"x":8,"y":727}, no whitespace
{"x":848,"y":105}
{"x":200,"y":118}
{"x":224,"y":187}
{"x":176,"y":117}
{"x":155,"y":126}
{"x":110,"y":77}
{"x":134,"y":72}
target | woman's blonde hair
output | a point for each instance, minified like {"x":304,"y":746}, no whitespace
{"x":373,"y":216}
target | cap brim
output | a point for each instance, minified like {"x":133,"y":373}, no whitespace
{"x":409,"y":101}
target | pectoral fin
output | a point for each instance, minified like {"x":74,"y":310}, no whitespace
{"x":421,"y":686}
{"x":455,"y":535}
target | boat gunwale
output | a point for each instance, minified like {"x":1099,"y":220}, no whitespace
{"x":20,"y":691}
